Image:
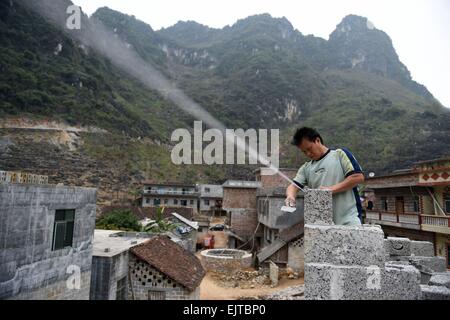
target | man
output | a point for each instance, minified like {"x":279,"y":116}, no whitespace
{"x":333,"y":169}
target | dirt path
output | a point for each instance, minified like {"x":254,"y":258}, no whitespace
{"x":209,"y":290}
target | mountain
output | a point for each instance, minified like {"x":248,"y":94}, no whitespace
{"x":257,"y":73}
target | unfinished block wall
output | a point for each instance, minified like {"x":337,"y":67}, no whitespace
{"x":348,"y":262}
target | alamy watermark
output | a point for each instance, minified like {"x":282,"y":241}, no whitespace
{"x":234,"y":146}
{"x":73,"y":282}
{"x":73,"y":22}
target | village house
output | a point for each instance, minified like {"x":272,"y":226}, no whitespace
{"x":239,"y":201}
{"x":46,"y":239}
{"x":111,"y":266}
{"x":162,"y":270}
{"x":170,"y":195}
{"x":109,"y":278}
{"x":282,"y":233}
{"x":414,"y":203}
{"x":282,"y":240}
{"x":211,"y":197}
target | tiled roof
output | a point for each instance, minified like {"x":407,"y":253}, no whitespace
{"x":150,"y":212}
{"x":172,"y":260}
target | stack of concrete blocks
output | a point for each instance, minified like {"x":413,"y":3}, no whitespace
{"x":435,"y":279}
{"x":348,"y":262}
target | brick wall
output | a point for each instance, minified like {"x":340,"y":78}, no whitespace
{"x":275,"y":180}
{"x":145,"y":281}
{"x":239,"y":198}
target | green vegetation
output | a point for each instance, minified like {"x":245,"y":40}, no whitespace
{"x":246,"y":75}
{"x":119,"y":220}
{"x":160,"y":224}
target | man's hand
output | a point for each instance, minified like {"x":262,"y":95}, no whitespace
{"x":290,"y":202}
{"x":347,"y":184}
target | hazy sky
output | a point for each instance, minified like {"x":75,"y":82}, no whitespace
{"x":419,"y":29}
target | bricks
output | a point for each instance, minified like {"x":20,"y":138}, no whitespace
{"x":318,"y":207}
{"x":435,"y":292}
{"x":397,"y":246}
{"x":441,"y":279}
{"x":422,"y":248}
{"x":344,"y":245}
{"x":433,"y":264}
{"x":331,"y":282}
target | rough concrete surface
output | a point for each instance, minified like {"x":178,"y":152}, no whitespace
{"x":344,"y":245}
{"x":318,"y":207}
{"x":397,"y":246}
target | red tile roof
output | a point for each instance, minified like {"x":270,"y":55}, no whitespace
{"x":172,"y":260}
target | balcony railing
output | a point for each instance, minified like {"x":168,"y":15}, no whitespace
{"x":437,"y":221}
{"x":408,"y":218}
{"x":424,"y":220}
{"x":172,"y":192}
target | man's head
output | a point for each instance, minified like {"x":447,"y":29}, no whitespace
{"x":310,"y":142}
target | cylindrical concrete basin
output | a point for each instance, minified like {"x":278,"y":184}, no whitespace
{"x":225,"y":260}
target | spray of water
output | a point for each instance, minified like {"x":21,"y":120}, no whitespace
{"x":96,"y":36}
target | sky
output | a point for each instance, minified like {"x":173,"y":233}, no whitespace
{"x":419,"y":29}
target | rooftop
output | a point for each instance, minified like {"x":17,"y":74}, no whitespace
{"x":115,"y":242}
{"x":242,"y":184}
{"x":180,"y":265}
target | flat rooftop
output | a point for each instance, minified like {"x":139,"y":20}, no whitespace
{"x":116,"y":241}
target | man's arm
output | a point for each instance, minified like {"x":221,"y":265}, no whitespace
{"x":292,"y":190}
{"x":348,"y":183}
{"x":291,"y":195}
{"x":352,"y":171}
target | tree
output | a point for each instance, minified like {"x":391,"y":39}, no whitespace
{"x":119,"y":220}
{"x":160,"y":224}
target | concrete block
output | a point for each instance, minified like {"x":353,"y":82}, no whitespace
{"x":273,"y":274}
{"x":318,"y":207}
{"x":440,"y":279}
{"x":435,"y":292}
{"x":330,"y":282}
{"x":422,"y":248}
{"x":429,"y":264}
{"x":397,"y":246}
{"x":344,"y":245}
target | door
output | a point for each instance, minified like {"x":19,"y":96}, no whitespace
{"x":399,"y":205}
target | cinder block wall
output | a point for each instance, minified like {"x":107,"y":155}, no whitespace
{"x":106,"y":272}
{"x":29,"y":269}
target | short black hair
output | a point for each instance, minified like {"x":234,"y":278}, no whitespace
{"x":305,"y":132}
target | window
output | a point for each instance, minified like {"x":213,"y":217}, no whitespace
{"x":191,"y":202}
{"x":156,"y":295}
{"x":166,"y":201}
{"x":207,"y":190}
{"x":416,"y":204}
{"x":147,"y":200}
{"x":448,"y":255}
{"x":447,"y":203}
{"x":156,"y":202}
{"x":121,"y":291}
{"x":175,"y":201}
{"x":183,"y":202}
{"x":206,"y":202}
{"x":384,"y":204}
{"x":63,"y":229}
